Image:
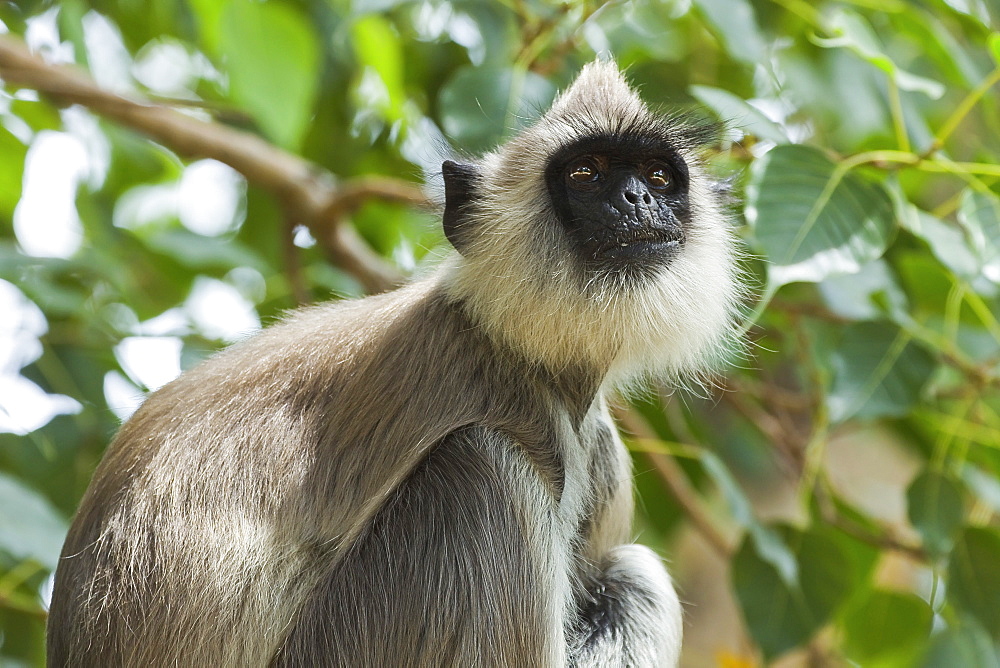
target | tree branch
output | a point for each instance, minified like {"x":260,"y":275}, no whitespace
{"x":308,"y":193}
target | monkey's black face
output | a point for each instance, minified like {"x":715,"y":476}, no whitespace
{"x":623,"y":202}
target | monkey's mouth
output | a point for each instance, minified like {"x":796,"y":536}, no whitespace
{"x":648,"y":244}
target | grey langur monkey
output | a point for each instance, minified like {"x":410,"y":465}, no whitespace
{"x":428,"y":477}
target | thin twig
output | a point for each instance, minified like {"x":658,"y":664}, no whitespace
{"x":309,"y":194}
{"x":883,"y":541}
{"x":786,"y":442}
{"x":676,"y":481}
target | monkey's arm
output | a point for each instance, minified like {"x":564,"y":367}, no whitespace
{"x":448,"y":574}
{"x":631,"y":615}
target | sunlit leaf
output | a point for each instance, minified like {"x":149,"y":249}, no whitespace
{"x":985,"y":486}
{"x":886,"y":623}
{"x":854,"y":32}
{"x":863,"y":295}
{"x":201,"y":252}
{"x":29,"y":527}
{"x":812,"y":219}
{"x":379,"y":54}
{"x":735,"y":111}
{"x":878,"y":371}
{"x":482,"y":105}
{"x":38,"y":115}
{"x":639,"y":29}
{"x":949,"y":243}
{"x":272,"y":59}
{"x":735,"y":21}
{"x":980,"y":215}
{"x":208,"y":16}
{"x":11,"y":168}
{"x":926,"y":282}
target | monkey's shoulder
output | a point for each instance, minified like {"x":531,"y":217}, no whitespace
{"x":303,"y":353}
{"x":394,"y":373}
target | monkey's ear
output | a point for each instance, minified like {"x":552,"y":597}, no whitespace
{"x":460,"y":183}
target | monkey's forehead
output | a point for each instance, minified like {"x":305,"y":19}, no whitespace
{"x":601,"y":105}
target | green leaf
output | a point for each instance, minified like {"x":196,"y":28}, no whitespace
{"x":11,"y":170}
{"x":200,"y":252}
{"x":878,"y":372}
{"x":994,"y":46}
{"x":829,"y":573}
{"x":780,"y":613}
{"x":775,"y":612}
{"x":974,"y":576}
{"x":864,"y":295}
{"x":739,"y":505}
{"x":272,"y":58}
{"x":963,"y":645}
{"x":814,"y":220}
{"x":38,"y":115}
{"x":926,"y":282}
{"x":855,"y":33}
{"x":985,"y":486}
{"x":884,"y":624}
{"x":641,"y":29}
{"x":371,"y":6}
{"x":734,"y":110}
{"x":948,"y":242}
{"x":767,"y":543}
{"x":658,"y":514}
{"x":208,"y":14}
{"x":29,"y":527}
{"x":934,"y":504}
{"x":497,"y":26}
{"x":480,"y":106}
{"x":379,"y":53}
{"x":979,"y":214}
{"x":736,"y":24}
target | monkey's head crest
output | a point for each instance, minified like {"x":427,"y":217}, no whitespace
{"x":594,"y":238}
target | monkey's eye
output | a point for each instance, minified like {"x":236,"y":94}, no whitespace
{"x":658,"y":176}
{"x":583,"y":171}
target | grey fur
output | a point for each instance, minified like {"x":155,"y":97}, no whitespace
{"x":404,"y":480}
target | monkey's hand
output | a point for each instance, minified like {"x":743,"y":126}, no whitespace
{"x":633,"y":617}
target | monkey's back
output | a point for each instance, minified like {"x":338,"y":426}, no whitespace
{"x":222,"y":501}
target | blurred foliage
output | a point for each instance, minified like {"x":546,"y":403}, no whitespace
{"x":864,"y":140}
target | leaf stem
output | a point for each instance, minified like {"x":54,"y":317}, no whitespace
{"x":676,"y":482}
{"x":963,"y":109}
{"x":926,"y":164}
{"x":898,"y":119}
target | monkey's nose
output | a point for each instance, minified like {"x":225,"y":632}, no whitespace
{"x":635,"y":192}
{"x":638,"y":197}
